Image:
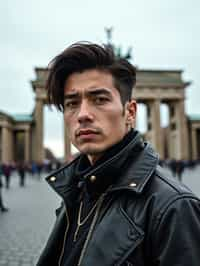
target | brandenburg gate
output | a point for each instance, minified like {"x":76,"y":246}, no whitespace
{"x":153,"y":88}
{"x":21,"y":136}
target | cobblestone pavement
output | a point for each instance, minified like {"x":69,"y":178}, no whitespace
{"x":25,"y":228}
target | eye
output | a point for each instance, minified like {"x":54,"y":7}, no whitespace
{"x":71,"y":104}
{"x":101,"y":100}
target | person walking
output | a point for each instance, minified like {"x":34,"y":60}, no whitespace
{"x":7,"y":168}
{"x":22,"y":172}
{"x":2,"y":207}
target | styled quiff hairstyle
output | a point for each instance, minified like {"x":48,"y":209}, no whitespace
{"x":83,"y":56}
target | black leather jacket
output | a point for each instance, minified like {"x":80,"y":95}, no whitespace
{"x":144,"y":219}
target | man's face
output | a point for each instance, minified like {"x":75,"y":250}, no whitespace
{"x":94,"y":113}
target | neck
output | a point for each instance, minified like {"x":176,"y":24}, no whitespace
{"x":93,"y":158}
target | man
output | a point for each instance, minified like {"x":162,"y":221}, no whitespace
{"x":118,"y":206}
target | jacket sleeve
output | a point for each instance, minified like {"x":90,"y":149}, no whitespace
{"x":177,"y":234}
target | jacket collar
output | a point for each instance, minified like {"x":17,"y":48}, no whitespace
{"x":137,"y":160}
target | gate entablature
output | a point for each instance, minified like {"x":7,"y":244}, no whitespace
{"x":164,"y":85}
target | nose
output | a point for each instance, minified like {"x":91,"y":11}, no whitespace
{"x":85,"y":114}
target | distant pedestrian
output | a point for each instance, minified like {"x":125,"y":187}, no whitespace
{"x":40,"y":167}
{"x":2,"y":207}
{"x":21,"y":172}
{"x":34,"y":168}
{"x":7,"y":168}
{"x":180,"y":166}
{"x":172,"y":166}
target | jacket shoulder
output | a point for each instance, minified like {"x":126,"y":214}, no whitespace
{"x":159,"y":194}
{"x":164,"y":191}
{"x":168,"y":184}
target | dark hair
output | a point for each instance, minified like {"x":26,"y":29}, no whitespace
{"x":83,"y":56}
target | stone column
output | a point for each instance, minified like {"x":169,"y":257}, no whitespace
{"x":38,"y":145}
{"x":27,"y":145}
{"x":4,"y":145}
{"x":0,"y":143}
{"x":182,"y":130}
{"x":173,"y":145}
{"x":194,"y":143}
{"x":11,"y":142}
{"x":154,"y":126}
{"x":178,"y":131}
{"x":7,"y":145}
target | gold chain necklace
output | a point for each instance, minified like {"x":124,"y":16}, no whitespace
{"x":79,"y":222}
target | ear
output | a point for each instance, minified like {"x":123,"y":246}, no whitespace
{"x":131,"y":110}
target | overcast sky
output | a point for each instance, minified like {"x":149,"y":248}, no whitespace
{"x":163,"y":34}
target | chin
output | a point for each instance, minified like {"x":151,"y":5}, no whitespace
{"x":91,"y":149}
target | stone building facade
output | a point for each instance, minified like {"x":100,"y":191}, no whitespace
{"x":15,"y":137}
{"x":180,"y":140}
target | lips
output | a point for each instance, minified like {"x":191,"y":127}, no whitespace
{"x":86,"y":132}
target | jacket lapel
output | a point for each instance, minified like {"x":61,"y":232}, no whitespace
{"x":113,"y":240}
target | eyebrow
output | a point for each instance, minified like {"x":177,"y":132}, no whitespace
{"x":92,"y":92}
{"x":70,"y":95}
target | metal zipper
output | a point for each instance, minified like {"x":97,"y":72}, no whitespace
{"x":91,"y":229}
{"x":65,"y":236}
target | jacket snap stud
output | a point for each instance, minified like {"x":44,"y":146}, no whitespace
{"x":132,"y":185}
{"x":93,"y":178}
{"x":52,"y":178}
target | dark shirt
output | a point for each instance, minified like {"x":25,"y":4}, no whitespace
{"x":89,"y":194}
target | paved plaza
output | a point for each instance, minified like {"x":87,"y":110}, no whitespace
{"x":25,"y":228}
